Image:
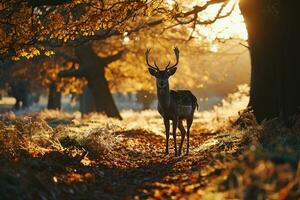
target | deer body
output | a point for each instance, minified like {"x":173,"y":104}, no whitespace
{"x":174,"y":106}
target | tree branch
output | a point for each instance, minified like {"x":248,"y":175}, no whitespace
{"x":35,"y":3}
{"x":198,"y":9}
{"x":244,"y":45}
{"x":67,"y":57}
{"x":218,"y":15}
{"x":78,"y":73}
{"x":114,"y":57}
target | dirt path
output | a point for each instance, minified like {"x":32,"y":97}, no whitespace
{"x":137,"y":167}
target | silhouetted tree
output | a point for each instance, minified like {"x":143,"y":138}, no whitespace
{"x":19,"y":89}
{"x":54,"y":97}
{"x":92,"y":68}
{"x":273,"y":43}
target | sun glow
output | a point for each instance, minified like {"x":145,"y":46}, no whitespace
{"x":229,"y":27}
{"x":214,"y":48}
{"x":232,"y":26}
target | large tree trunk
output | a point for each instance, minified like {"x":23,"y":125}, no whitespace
{"x":275,"y":70}
{"x":290,"y":68}
{"x":94,"y":72}
{"x":102,"y":96}
{"x":54,"y":97}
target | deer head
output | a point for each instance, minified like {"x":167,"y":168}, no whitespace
{"x":162,"y":76}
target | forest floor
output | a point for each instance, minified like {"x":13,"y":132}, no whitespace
{"x":55,"y":155}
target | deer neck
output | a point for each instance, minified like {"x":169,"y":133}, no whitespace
{"x":163,"y":96}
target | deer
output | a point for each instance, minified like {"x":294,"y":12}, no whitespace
{"x":173,"y":105}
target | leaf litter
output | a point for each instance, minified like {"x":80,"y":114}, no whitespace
{"x":57,"y":155}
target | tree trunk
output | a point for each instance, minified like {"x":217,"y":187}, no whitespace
{"x":54,"y":97}
{"x":102,"y":96}
{"x":86,"y":101}
{"x":94,"y":68}
{"x":290,"y":68}
{"x":20,"y":91}
{"x":273,"y":41}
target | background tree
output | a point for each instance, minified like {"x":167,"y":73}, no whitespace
{"x":92,"y":68}
{"x":16,"y":82}
{"x":48,"y":69}
{"x":38,"y":76}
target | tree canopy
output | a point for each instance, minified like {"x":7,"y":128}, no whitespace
{"x":34,"y":27}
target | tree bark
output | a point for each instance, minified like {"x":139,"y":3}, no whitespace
{"x":94,"y":68}
{"x":54,"y":97}
{"x":290,"y":68}
{"x":86,"y":101}
{"x":272,"y":38}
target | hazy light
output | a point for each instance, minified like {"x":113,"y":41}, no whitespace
{"x":232,"y":26}
{"x":126,"y":40}
{"x":55,"y":179}
{"x":170,"y":2}
{"x":214,"y":48}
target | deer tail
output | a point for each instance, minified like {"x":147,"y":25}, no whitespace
{"x":196,"y":103}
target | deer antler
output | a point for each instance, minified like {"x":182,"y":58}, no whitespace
{"x":176,"y":51}
{"x":167,"y":65}
{"x":156,"y":64}
{"x":147,"y":60}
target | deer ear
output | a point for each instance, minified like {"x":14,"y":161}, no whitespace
{"x":153,"y":72}
{"x":172,"y":71}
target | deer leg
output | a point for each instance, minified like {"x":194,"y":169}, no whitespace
{"x":182,"y":131}
{"x":167,"y":126}
{"x":175,"y":121}
{"x":189,"y":122}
